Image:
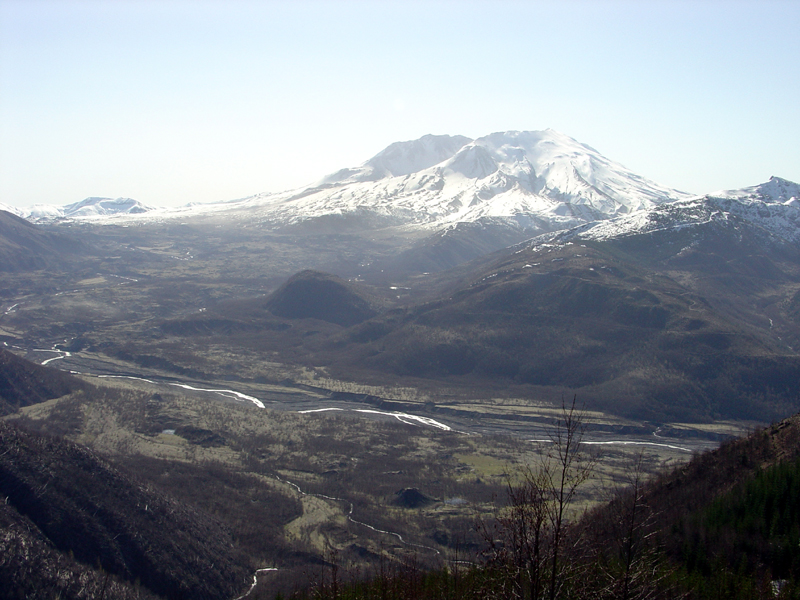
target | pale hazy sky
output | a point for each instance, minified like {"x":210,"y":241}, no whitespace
{"x":170,"y":101}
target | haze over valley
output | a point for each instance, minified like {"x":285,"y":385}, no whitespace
{"x":416,"y":322}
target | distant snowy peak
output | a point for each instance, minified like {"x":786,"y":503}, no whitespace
{"x":90,"y":207}
{"x":531,"y":181}
{"x":772,"y":206}
{"x":105,"y":206}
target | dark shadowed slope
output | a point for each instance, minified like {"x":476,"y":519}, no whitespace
{"x":681,"y":324}
{"x":23,"y":383}
{"x":25,"y":247}
{"x":32,"y":567}
{"x":84,"y":507}
{"x":315,"y":295}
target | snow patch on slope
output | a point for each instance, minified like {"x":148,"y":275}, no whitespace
{"x":773,"y":206}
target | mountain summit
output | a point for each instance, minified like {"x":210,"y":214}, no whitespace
{"x":403,"y":158}
{"x":540,"y":180}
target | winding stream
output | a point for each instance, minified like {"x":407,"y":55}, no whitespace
{"x":350,"y":515}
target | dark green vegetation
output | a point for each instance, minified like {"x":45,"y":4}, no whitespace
{"x":757,"y":520}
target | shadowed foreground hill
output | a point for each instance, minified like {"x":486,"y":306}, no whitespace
{"x":32,"y":567}
{"x":23,"y":383}
{"x":64,"y":505}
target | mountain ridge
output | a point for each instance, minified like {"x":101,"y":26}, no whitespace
{"x":25,"y":246}
{"x":772,"y":205}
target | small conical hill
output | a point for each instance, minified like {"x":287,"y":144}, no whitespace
{"x":316,"y":295}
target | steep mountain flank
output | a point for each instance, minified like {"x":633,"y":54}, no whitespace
{"x":23,"y":383}
{"x":727,"y":520}
{"x":32,"y":567}
{"x":82,"y":506}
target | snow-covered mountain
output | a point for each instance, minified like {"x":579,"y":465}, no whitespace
{"x":90,"y":207}
{"x":773,"y":206}
{"x":481,"y":195}
{"x":528,"y":180}
{"x":105,"y":206}
{"x":536,"y":179}
{"x":402,"y":158}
